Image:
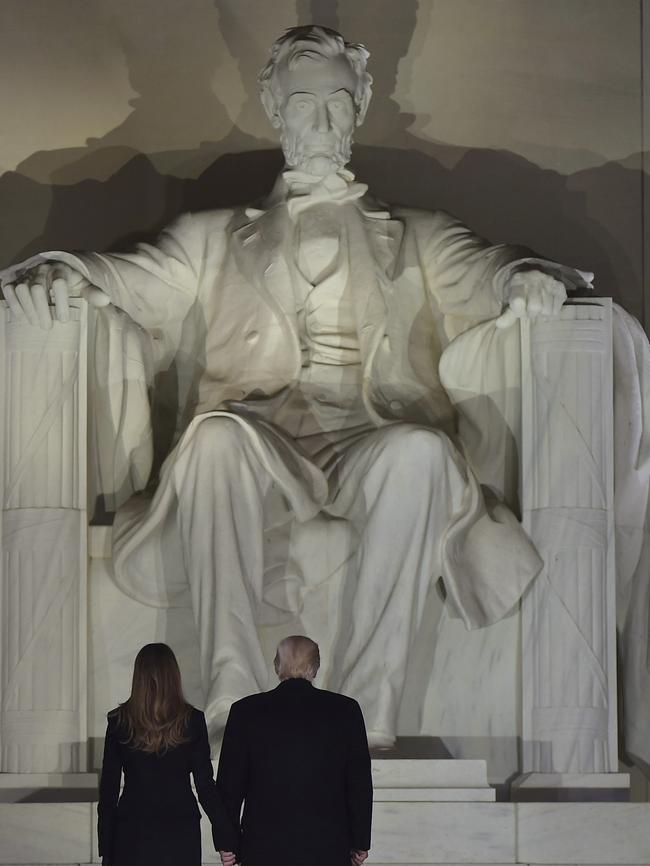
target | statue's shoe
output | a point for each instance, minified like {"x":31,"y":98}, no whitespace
{"x":380,"y":740}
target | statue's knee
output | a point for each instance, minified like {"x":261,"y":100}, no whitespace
{"x":219,"y":437}
{"x":419,"y":449}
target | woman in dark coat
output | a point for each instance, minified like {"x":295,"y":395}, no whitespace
{"x":157,"y":739}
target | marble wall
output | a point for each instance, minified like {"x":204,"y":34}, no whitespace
{"x":523,"y":118}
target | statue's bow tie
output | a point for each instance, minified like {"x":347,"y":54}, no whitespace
{"x":306,"y":190}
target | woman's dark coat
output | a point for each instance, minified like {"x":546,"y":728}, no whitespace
{"x":156,"y":818}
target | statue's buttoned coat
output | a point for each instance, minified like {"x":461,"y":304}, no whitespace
{"x":214,"y":294}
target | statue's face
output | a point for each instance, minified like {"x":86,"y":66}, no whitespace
{"x":317,"y":113}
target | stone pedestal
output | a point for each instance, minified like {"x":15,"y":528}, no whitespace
{"x":43,"y":532}
{"x":569,"y":615}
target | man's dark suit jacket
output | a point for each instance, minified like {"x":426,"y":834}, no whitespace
{"x":297,"y":757}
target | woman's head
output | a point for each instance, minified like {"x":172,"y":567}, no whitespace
{"x":155,"y":716}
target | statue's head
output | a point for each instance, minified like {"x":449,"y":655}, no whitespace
{"x":315,"y":90}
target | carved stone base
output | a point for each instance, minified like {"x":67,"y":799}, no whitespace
{"x":571,"y":788}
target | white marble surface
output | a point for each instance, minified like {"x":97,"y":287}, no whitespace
{"x":434,"y":795}
{"x":420,"y":772}
{"x":443,"y":833}
{"x":43,"y":562}
{"x":46,"y":832}
{"x":473,"y":692}
{"x":572,"y":833}
{"x":573,"y":780}
{"x":462,"y":833}
{"x":112,"y":650}
{"x":462,"y":714}
{"x":116,"y":677}
{"x":46,"y":787}
{"x":569,"y":722}
{"x":48,"y":780}
{"x":388,"y":356}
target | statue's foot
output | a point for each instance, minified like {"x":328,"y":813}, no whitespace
{"x":380,"y":740}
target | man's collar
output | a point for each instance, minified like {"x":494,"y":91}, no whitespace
{"x":294,"y":683}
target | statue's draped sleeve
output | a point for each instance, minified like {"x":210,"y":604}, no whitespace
{"x":151,"y":290}
{"x":468,"y":276}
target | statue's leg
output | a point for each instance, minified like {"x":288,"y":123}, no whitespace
{"x":400,"y":486}
{"x":221,"y":486}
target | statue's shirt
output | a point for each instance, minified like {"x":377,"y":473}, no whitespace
{"x":325,"y":410}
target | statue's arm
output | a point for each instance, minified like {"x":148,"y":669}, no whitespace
{"x":153,"y":284}
{"x":475,"y":280}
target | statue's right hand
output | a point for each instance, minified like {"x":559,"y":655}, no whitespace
{"x":41,"y":294}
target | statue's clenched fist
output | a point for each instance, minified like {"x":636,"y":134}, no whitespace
{"x":532,"y":293}
{"x":40,"y":294}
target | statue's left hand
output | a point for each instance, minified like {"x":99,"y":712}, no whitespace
{"x":530,"y":294}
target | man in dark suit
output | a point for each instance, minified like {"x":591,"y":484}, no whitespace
{"x":297,"y":758}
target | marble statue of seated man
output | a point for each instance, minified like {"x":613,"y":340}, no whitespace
{"x":309,"y":332}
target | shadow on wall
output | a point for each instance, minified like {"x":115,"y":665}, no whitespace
{"x":500,"y":195}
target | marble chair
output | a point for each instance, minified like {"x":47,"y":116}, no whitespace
{"x":69,"y":635}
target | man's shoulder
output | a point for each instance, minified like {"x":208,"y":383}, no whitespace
{"x":250,"y":703}
{"x":337,"y":700}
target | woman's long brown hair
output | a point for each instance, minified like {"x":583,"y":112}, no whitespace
{"x":156,"y":715}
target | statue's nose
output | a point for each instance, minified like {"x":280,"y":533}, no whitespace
{"x":322,"y":120}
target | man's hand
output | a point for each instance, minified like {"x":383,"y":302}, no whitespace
{"x":357,"y":857}
{"x":32,"y":293}
{"x":530,"y":294}
{"x":227,"y":858}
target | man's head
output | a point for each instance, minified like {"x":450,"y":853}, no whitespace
{"x":315,"y":89}
{"x":297,"y":657}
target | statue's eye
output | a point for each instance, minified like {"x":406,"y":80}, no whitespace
{"x":336,"y":104}
{"x":302,"y":105}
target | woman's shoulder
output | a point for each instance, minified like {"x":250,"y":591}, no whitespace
{"x":113,"y":721}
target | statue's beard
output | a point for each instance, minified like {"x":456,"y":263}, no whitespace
{"x":321,"y":163}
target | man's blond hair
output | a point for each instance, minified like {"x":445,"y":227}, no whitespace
{"x":297,"y":656}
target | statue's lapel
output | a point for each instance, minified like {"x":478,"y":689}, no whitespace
{"x":374,"y":248}
{"x":260,"y":247}
{"x":263,"y":244}
{"x":385,"y":239}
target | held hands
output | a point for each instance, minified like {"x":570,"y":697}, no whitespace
{"x":357,"y":857}
{"x":530,"y":294}
{"x":40,"y":294}
{"x":227,"y":858}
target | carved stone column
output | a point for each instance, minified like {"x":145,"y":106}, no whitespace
{"x":568,"y":615}
{"x":43,"y":539}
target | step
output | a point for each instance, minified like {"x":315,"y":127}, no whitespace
{"x":403,"y":833}
{"x":407,"y":780}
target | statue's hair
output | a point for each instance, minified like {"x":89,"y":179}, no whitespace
{"x":314,"y":41}
{"x":297,"y":656}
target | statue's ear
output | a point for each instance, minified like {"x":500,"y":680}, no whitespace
{"x":270,"y":106}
